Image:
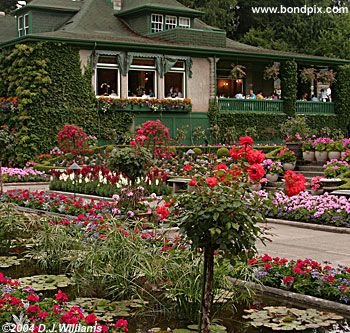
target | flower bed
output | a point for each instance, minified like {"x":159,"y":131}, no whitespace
{"x":14,"y":175}
{"x":303,"y":276}
{"x":324,"y":209}
{"x":107,"y":104}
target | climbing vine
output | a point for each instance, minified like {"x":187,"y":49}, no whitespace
{"x":53,"y":92}
{"x":289,"y":85}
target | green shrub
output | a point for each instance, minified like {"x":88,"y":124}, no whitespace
{"x":198,"y":151}
{"x":223,"y":152}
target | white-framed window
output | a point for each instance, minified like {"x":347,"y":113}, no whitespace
{"x":142,"y":76}
{"x":184,"y":22}
{"x":175,"y":81}
{"x":170,"y":22}
{"x":107,"y":77}
{"x":23,"y":25}
{"x":157,"y":22}
{"x":26,"y":24}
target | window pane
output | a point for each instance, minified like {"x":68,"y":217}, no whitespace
{"x":157,"y":23}
{"x":184,"y":22}
{"x":26,"y":20}
{"x":141,"y":83}
{"x":174,"y":85}
{"x":170,"y":22}
{"x":20,"y":22}
{"x":144,"y":62}
{"x":107,"y":82}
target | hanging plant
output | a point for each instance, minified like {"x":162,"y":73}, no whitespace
{"x":238,"y":72}
{"x":308,"y":75}
{"x":326,"y":76}
{"x":272,"y":72}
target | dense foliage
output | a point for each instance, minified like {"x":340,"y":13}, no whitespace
{"x":53,"y":91}
{"x":342,"y":98}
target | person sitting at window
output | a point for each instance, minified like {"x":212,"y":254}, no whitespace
{"x":113,"y":94}
{"x":144,"y":95}
{"x":105,"y":88}
{"x":178,"y":93}
{"x":151,"y":93}
{"x":323,"y":96}
{"x":171,"y":92}
{"x":239,"y":96}
{"x":314,"y":98}
{"x":260,"y":95}
{"x":251,"y":94}
{"x":305,"y":97}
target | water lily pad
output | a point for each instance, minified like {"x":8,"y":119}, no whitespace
{"x":289,"y":319}
{"x":107,"y":310}
{"x":6,"y":262}
{"x":46,"y":282}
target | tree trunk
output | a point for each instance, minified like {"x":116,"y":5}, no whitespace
{"x":1,"y":184}
{"x":207,"y":288}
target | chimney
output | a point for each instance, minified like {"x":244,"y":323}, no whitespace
{"x":117,"y":4}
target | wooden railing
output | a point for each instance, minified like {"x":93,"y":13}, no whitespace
{"x":250,"y":105}
{"x":306,"y":107}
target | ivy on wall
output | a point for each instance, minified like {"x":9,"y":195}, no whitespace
{"x":289,"y":86}
{"x":342,"y":96}
{"x":53,"y":91}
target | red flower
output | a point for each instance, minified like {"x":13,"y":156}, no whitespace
{"x":288,"y":280}
{"x":246,"y":140}
{"x":122,"y":324}
{"x":163,"y":212}
{"x":192,"y":182}
{"x":266,"y":258}
{"x":256,"y":172}
{"x":33,"y":298}
{"x":255,"y":156}
{"x":187,"y":167}
{"x":61,"y":297}
{"x":211,"y":181}
{"x":221,"y":166}
{"x":295,"y":183}
{"x":267,"y":267}
{"x":252,"y":261}
{"x":42,"y":315}
{"x":90,"y":319}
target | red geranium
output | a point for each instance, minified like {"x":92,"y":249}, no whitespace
{"x":211,"y":181}
{"x":61,"y":296}
{"x":192,"y":182}
{"x":221,"y":166}
{"x":256,"y":172}
{"x":255,"y":156}
{"x":122,"y":324}
{"x":295,"y":183}
{"x":288,"y":280}
{"x":91,"y":319}
{"x":187,"y":167}
{"x":246,"y":140}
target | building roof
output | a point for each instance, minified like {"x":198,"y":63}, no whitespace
{"x":62,"y":5}
{"x":8,"y":28}
{"x":106,"y":31}
{"x":133,"y":6}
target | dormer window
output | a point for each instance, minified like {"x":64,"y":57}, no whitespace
{"x":157,"y":22}
{"x":170,"y":22}
{"x":184,"y":22}
{"x":23,"y":25}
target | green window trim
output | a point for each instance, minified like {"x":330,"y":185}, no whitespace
{"x":164,"y":17}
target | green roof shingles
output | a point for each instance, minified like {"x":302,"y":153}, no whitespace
{"x":65,"y":5}
{"x":96,"y":26}
{"x":131,"y":6}
{"x":8,"y":28}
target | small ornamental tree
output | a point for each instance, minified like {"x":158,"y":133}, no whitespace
{"x":72,"y":139}
{"x":221,"y":214}
{"x":153,"y":135}
{"x":134,"y":162}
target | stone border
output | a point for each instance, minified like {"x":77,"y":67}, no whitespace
{"x":312,"y":226}
{"x":43,"y":212}
{"x":299,"y":298}
{"x":26,"y":184}
{"x":83,"y":196}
